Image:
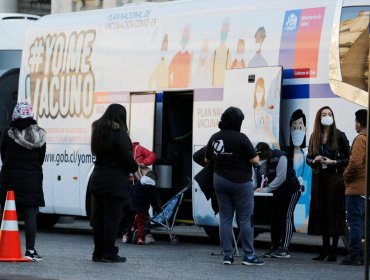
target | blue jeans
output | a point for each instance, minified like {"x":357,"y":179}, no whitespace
{"x":233,"y":197}
{"x":355,"y":207}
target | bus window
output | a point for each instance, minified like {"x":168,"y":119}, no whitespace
{"x":9,"y":59}
{"x":354,"y":46}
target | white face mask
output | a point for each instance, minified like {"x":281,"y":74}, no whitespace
{"x":258,"y":46}
{"x":203,"y":55}
{"x":262,"y":162}
{"x":259,"y":96}
{"x":297,"y":137}
{"x":163,"y":54}
{"x":327,"y":121}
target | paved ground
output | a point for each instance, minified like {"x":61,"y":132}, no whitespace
{"x":67,"y":255}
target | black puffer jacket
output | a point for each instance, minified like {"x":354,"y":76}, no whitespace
{"x":23,"y":148}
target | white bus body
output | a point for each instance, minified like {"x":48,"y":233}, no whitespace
{"x":175,"y":67}
{"x":13,"y":29}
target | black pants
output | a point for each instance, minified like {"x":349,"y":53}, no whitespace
{"x":282,"y":225}
{"x":28,"y":214}
{"x":106,"y":216}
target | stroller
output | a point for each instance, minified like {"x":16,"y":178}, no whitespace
{"x":167,"y":216}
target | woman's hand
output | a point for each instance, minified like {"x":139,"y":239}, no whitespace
{"x":259,"y":190}
{"x":328,"y":161}
{"x":317,"y":159}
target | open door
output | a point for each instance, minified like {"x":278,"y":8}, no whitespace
{"x":141,"y":122}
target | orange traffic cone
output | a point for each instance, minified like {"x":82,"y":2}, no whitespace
{"x":10,"y":244}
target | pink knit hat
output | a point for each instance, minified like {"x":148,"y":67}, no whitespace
{"x":22,"y":110}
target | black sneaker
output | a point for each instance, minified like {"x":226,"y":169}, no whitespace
{"x":269,"y":252}
{"x":114,"y":259}
{"x":351,"y":260}
{"x":32,"y":255}
{"x":228,"y":260}
{"x":281,"y":253}
{"x":252,"y":261}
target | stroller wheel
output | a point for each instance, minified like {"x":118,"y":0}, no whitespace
{"x":174,"y":240}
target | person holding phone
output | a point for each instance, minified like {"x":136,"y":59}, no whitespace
{"x":328,"y":155}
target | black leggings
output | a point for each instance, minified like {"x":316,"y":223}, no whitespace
{"x":29,"y":216}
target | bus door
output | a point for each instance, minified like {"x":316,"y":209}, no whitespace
{"x":141,"y":119}
{"x":173,"y":147}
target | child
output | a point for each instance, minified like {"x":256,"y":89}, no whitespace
{"x":142,"y":196}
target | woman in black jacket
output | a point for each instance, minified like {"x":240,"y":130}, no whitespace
{"x":328,"y":155}
{"x":112,"y":147}
{"x":23,"y":148}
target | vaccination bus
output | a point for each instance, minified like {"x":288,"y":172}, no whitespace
{"x":13,"y":29}
{"x":176,"y":67}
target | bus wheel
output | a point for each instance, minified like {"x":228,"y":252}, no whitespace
{"x":46,"y":221}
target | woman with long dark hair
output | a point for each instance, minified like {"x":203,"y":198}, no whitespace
{"x":112,"y":147}
{"x":328,"y":155}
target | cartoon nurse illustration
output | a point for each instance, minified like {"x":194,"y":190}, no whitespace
{"x":239,"y":62}
{"x":297,"y":154}
{"x":180,"y":66}
{"x":159,"y":78}
{"x":259,"y":102}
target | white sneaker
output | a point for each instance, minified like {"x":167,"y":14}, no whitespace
{"x":149,"y":238}
{"x":124,"y":238}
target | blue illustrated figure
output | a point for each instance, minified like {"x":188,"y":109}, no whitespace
{"x":297,"y":154}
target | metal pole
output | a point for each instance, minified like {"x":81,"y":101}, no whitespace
{"x":367,"y":206}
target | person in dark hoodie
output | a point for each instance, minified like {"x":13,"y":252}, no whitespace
{"x":109,"y":182}
{"x":23,"y":148}
{"x":233,"y":155}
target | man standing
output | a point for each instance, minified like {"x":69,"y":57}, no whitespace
{"x":355,"y":181}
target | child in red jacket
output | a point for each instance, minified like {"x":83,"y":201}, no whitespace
{"x":144,"y":158}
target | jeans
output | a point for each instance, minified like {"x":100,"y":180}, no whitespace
{"x":235,"y":197}
{"x":355,"y":207}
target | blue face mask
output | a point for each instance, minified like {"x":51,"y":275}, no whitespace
{"x":184,"y":41}
{"x":223,"y":37}
{"x":297,"y":137}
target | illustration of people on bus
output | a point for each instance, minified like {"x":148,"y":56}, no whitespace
{"x":160,"y":75}
{"x":239,"y":62}
{"x":257,"y":60}
{"x":220,"y":58}
{"x":297,"y":154}
{"x":180,"y":66}
{"x":202,"y":75}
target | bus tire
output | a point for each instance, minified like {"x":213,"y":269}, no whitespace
{"x":46,"y":221}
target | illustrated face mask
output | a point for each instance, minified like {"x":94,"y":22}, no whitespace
{"x":327,"y":121}
{"x":297,"y":137}
{"x":239,"y":56}
{"x":259,"y":95}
